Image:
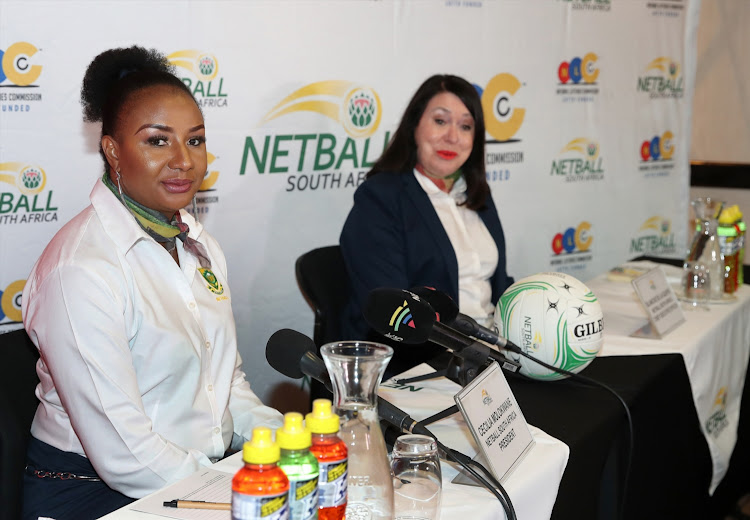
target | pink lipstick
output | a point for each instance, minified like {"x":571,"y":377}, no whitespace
{"x":177,"y":185}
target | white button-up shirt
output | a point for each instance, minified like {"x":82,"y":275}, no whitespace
{"x":476,"y":251}
{"x":139,"y":369}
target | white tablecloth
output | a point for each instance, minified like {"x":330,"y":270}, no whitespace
{"x":533,"y":484}
{"x":715,"y":345}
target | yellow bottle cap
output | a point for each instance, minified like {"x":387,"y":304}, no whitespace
{"x":322,"y":419}
{"x":730,"y":215}
{"x":293,"y":435}
{"x":261,"y":449}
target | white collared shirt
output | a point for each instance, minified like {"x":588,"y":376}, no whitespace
{"x":476,"y":251}
{"x":139,"y":368}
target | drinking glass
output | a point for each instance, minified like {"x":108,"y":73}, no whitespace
{"x":705,"y":249}
{"x":697,"y":284}
{"x":417,"y":480}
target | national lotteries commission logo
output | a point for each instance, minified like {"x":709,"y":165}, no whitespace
{"x":589,"y":5}
{"x":662,"y":78}
{"x":19,"y":71}
{"x":571,"y":248}
{"x":204,"y":80}
{"x":578,"y":78}
{"x":579,"y":160}
{"x":656,"y":155}
{"x":666,"y":8}
{"x":10,"y":303}
{"x":25,"y":202}
{"x":655,"y":236}
{"x":206,"y":195}
{"x":335,"y":161}
{"x":503,"y":117}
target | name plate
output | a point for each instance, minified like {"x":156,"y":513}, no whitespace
{"x":495,"y":420}
{"x":659,"y":300}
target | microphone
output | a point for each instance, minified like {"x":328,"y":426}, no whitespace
{"x":291,"y":353}
{"x":445,"y":306}
{"x":403,"y":316}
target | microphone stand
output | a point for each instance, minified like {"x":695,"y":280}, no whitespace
{"x":464,"y":366}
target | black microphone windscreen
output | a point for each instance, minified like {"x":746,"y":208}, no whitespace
{"x":399,"y":315}
{"x":285,"y":349}
{"x":444,"y":306}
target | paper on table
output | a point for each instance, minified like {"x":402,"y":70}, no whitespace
{"x":208,"y":485}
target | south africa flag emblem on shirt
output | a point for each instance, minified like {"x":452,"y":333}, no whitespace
{"x":213,"y":283}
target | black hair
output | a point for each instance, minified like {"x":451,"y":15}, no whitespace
{"x":401,"y":154}
{"x":115,"y":75}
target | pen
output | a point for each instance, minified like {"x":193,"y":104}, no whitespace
{"x":198,"y":504}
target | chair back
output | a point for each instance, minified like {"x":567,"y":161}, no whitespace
{"x":18,"y":405}
{"x":324,"y":282}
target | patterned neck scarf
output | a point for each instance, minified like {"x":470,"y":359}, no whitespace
{"x":159,"y":228}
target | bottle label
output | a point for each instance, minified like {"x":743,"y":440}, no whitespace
{"x":249,"y":507}
{"x":332,"y":483}
{"x":303,"y":499}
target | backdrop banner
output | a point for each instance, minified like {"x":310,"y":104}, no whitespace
{"x":587,"y":106}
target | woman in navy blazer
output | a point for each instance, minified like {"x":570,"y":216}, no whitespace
{"x":393,"y":236}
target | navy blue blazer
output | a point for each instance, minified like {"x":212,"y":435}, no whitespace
{"x":394,"y":238}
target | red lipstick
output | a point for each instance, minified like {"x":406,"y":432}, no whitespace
{"x":446,"y":154}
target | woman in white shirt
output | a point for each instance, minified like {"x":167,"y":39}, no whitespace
{"x":425,"y":215}
{"x":140,"y":379}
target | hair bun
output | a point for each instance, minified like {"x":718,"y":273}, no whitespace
{"x":111,"y":66}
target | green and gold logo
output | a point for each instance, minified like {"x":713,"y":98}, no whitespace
{"x":213,"y":283}
{"x":201,"y":75}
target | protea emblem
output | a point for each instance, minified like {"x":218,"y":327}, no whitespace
{"x":591,"y":149}
{"x":362,"y":110}
{"x":206,"y":65}
{"x":31,"y":178}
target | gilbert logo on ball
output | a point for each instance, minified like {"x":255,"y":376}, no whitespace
{"x":553,"y":317}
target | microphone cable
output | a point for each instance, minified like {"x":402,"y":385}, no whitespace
{"x":592,"y":382}
{"x":488,"y":480}
{"x":495,"y":487}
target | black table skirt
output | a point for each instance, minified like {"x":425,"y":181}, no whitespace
{"x":671,"y":468}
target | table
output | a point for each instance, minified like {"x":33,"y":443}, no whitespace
{"x":714,"y":344}
{"x":532,"y":486}
{"x":673,"y":469}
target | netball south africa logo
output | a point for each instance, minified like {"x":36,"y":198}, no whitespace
{"x":213,"y":283}
{"x":356,"y":108}
{"x":204,"y":66}
{"x":662,"y":78}
{"x":30,"y":180}
{"x":202,"y":76}
{"x":579,"y":160}
{"x":655,"y":236}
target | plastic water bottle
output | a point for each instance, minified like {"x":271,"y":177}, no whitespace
{"x":260,"y":489}
{"x":331,"y":453}
{"x":300,"y":466}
